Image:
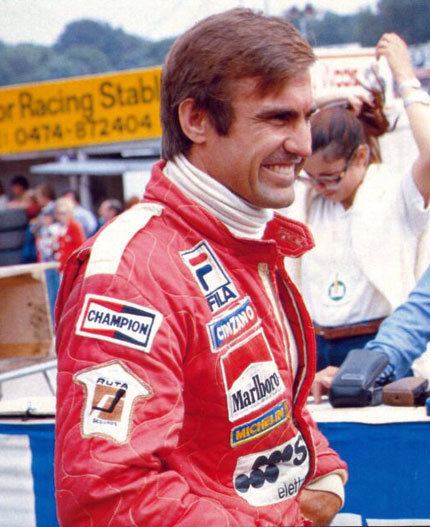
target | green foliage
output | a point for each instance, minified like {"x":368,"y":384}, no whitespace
{"x":330,"y":28}
{"x":90,"y":46}
{"x":409,"y":18}
{"x":85,"y":47}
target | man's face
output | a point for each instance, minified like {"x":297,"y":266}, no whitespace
{"x":266,"y":145}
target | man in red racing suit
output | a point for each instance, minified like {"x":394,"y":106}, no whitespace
{"x":185,"y":357}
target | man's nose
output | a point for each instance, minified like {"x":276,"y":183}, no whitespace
{"x":299,"y":140}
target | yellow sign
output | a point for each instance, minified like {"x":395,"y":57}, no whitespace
{"x":80,"y":111}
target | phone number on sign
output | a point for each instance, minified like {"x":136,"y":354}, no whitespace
{"x":85,"y":129}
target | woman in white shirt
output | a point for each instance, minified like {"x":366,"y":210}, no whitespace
{"x":368,"y":222}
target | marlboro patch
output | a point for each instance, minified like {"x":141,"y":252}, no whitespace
{"x":118,"y":321}
{"x":251,"y":376}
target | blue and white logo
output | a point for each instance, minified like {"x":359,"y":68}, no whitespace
{"x":232,"y":325}
{"x":210,"y":276}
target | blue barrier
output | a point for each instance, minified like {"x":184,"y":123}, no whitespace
{"x":389,"y":466}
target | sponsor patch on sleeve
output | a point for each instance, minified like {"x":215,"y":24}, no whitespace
{"x":118,"y":321}
{"x":271,"y":476}
{"x":111,"y":391}
{"x":263,"y":424}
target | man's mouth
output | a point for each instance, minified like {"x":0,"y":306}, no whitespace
{"x":283,"y":170}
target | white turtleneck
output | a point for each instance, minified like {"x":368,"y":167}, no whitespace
{"x":241,"y":218}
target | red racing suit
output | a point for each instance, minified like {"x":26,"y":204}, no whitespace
{"x":177,"y":402}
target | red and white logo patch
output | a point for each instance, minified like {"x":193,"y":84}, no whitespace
{"x":111,"y":392}
{"x":118,"y":321}
{"x":251,"y":377}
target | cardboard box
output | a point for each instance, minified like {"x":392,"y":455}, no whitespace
{"x":26,"y":328}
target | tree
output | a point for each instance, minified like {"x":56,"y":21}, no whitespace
{"x":409,"y":18}
{"x":114,"y":43}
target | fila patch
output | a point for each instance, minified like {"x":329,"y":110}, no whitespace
{"x":260,"y":426}
{"x":111,"y":390}
{"x":210,"y":276}
{"x":231,"y":325}
{"x":251,"y":377}
{"x":118,"y":321}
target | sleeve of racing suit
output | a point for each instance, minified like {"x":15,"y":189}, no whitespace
{"x":404,"y":335}
{"x":330,"y":471}
{"x":114,"y":471}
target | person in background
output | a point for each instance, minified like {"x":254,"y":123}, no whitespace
{"x":18,"y":187}
{"x":185,"y":353}
{"x":71,"y":234}
{"x":370,"y":224}
{"x":47,"y":234}
{"x":108,"y":209}
{"x":130,"y":202}
{"x":31,"y":204}
{"x":3,"y":197}
{"x":403,"y":336}
{"x":46,"y":231}
{"x":32,"y":208}
{"x":45,"y":195}
{"x":85,"y":217}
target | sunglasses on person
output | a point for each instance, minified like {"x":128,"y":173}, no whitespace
{"x":331,"y":181}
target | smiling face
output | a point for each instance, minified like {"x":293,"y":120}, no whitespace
{"x":266,"y":145}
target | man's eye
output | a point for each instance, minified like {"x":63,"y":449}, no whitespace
{"x":281,"y":120}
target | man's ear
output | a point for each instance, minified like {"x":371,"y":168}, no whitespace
{"x":193,"y":121}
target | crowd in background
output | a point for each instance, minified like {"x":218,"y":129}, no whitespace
{"x":57,"y":225}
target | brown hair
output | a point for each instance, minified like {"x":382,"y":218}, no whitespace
{"x":46,"y":190}
{"x":338,"y":130}
{"x":336,"y":127}
{"x":220,"y":49}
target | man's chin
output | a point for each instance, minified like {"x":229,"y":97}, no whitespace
{"x":283,"y":200}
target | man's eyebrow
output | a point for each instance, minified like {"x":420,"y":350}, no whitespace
{"x":284,"y":114}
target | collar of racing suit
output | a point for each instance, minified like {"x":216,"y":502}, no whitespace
{"x":241,"y":218}
{"x":178,"y":182}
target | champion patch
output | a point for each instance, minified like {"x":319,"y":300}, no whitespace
{"x":274,"y":475}
{"x":260,"y":426}
{"x":251,"y":377}
{"x":231,"y":325}
{"x":117,"y":321}
{"x":210,"y":276}
{"x":111,"y":392}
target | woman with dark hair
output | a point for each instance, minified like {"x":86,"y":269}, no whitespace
{"x":368,"y":221}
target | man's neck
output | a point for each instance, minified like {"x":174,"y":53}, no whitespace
{"x":241,"y":218}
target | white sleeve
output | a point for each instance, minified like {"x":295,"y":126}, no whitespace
{"x":416,"y":214}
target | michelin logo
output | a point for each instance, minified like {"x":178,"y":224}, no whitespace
{"x":260,"y":426}
{"x":210,"y":276}
{"x":118,"y":321}
{"x":233,"y":324}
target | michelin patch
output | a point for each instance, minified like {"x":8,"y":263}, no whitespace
{"x":210,"y":276}
{"x":251,"y":376}
{"x":111,"y":391}
{"x":231,"y":325}
{"x":263,"y":424}
{"x":271,"y":476}
{"x":118,"y":321}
